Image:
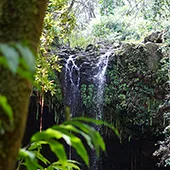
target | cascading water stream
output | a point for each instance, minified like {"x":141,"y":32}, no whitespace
{"x":72,"y":82}
{"x":99,"y":81}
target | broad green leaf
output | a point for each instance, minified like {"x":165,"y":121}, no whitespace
{"x":97,"y":122}
{"x":67,"y":131}
{"x":94,"y":135}
{"x":37,"y":145}
{"x":47,"y":134}
{"x":23,"y":153}
{"x":77,"y":144}
{"x":31,"y":164}
{"x":75,"y":130}
{"x":40,"y":136}
{"x":67,"y":139}
{"x":80,"y":149}
{"x":11,"y":56}
{"x":58,"y":149}
{"x":27,"y":55}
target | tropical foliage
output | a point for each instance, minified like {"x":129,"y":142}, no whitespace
{"x":79,"y":23}
{"x":163,"y":151}
{"x":68,"y":131}
{"x":122,"y":20}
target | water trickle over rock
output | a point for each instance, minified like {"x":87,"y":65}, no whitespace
{"x":80,"y":70}
{"x":86,"y":69}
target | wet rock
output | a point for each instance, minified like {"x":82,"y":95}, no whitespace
{"x":131,"y":78}
{"x":154,"y":55}
{"x":155,"y":37}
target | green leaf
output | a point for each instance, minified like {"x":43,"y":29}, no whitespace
{"x":36,"y":145}
{"x":80,"y":149}
{"x":77,"y":144}
{"x":70,"y":164}
{"x":67,"y":131}
{"x":97,"y":122}
{"x":75,"y":130}
{"x":7,"y":108}
{"x":11,"y":56}
{"x":31,"y":164}
{"x":48,"y":137}
{"x":41,"y":157}
{"x":27,"y":55}
{"x":48,"y":134}
{"x":94,"y":135}
{"x":58,"y":149}
{"x":30,"y":158}
{"x":25,"y":74}
{"x":23,"y":153}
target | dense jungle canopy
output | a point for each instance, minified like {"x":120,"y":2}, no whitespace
{"x":37,"y":36}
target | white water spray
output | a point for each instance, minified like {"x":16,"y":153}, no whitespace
{"x":73,"y":75}
{"x":99,"y":81}
{"x":72,"y":83}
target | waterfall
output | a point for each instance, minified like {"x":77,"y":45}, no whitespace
{"x":72,"y":83}
{"x":99,"y":81}
{"x":74,"y":73}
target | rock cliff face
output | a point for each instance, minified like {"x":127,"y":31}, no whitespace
{"x":134,"y":88}
{"x":134,"y":85}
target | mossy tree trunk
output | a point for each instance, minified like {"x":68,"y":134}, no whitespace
{"x":20,"y":20}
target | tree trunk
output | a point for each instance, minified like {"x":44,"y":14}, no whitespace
{"x":20,"y":20}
